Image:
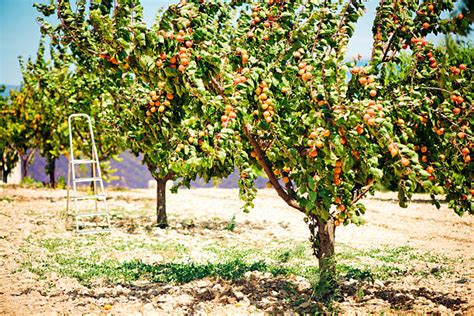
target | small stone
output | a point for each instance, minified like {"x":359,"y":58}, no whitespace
{"x":253,"y":275}
{"x":239,"y":295}
{"x":442,"y":308}
{"x":200,"y":308}
{"x":302,"y":284}
{"x":379,"y":284}
{"x":462,"y":281}
{"x":435,"y":270}
{"x":351,"y":282}
{"x":148,"y":309}
{"x":159,"y":232}
{"x":54,"y":276}
{"x":305,"y":304}
{"x":217,"y":288}
{"x":202,"y":283}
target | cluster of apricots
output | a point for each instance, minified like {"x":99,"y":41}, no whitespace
{"x":424,"y":151}
{"x":239,"y":77}
{"x":316,"y":142}
{"x":305,"y":71}
{"x":337,"y":175}
{"x":430,"y":58}
{"x":299,"y":53}
{"x":283,"y":175}
{"x":340,"y":215}
{"x":192,"y":140}
{"x":366,"y":81}
{"x":457,"y":99}
{"x":457,"y":70}
{"x":393,"y":149}
{"x":258,"y":16}
{"x":229,"y":115}
{"x":158,"y":102}
{"x":266,"y":102}
{"x":244,"y":55}
{"x":179,"y":62}
{"x":466,"y":154}
{"x":182,"y":35}
{"x":371,"y":111}
{"x":416,"y":42}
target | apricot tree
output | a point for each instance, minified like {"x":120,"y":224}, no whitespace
{"x":164,"y":121}
{"x":36,"y":115}
{"x":8,"y":153}
{"x":264,"y":85}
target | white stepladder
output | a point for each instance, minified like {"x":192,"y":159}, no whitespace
{"x":96,"y":178}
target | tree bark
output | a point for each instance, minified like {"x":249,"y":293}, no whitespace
{"x":323,"y":242}
{"x":24,"y":167}
{"x":26,"y":160}
{"x":50,"y":170}
{"x":161,"y":218}
{"x":4,"y":176}
{"x":326,"y":253}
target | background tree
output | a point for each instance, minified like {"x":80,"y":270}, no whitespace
{"x":51,"y":91}
{"x":18,"y":124}
{"x":8,"y":155}
{"x":175,"y":143}
{"x":45,"y":84}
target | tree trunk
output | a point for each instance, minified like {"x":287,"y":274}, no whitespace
{"x":50,"y":170}
{"x":323,"y":241}
{"x":4,"y":175}
{"x":326,"y":253}
{"x":161,"y":219}
{"x":26,"y":162}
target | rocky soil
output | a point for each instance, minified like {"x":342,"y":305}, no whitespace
{"x":431,"y":271}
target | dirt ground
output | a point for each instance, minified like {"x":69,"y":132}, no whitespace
{"x":201,"y":217}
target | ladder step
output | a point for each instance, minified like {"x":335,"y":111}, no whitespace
{"x":92,"y":214}
{"x":95,"y":231}
{"x":83,"y":161}
{"x":89,"y":197}
{"x":87,"y":179}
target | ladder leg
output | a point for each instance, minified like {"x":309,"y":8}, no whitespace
{"x":74,"y":190}
{"x":93,"y":166}
{"x":68,"y":187}
{"x":99,"y":173}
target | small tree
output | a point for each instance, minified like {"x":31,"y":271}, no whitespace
{"x":17,"y":129}
{"x":8,"y":154}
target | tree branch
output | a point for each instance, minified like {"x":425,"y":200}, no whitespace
{"x":362,"y":194}
{"x":268,"y":170}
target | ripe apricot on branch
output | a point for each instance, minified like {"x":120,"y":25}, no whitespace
{"x":405,"y":162}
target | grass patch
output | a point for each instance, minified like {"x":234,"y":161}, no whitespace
{"x":119,"y":260}
{"x":298,"y":251}
{"x":86,"y":270}
{"x":6,"y":199}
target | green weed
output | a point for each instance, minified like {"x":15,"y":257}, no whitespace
{"x":231,"y":225}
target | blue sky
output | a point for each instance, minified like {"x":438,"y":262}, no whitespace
{"x":19,"y":33}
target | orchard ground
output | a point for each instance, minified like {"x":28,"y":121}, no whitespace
{"x":214,"y":259}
